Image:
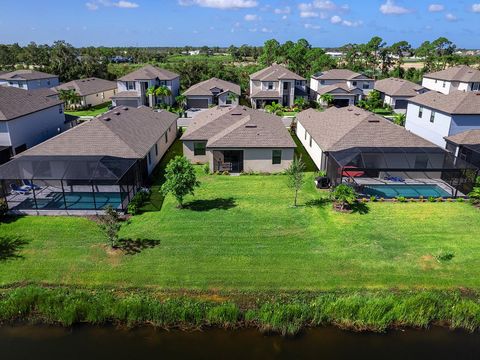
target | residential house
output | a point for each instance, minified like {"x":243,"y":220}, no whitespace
{"x":347,"y":87}
{"x":239,"y":139}
{"x":457,"y":78}
{"x":28,"y":79}
{"x":276,"y":84}
{"x":133,"y":87}
{"x":92,"y":91}
{"x":212,"y":92}
{"x":434,"y":116}
{"x":101,"y":162}
{"x":28,"y":117}
{"x":465,"y":146}
{"x":396,"y":92}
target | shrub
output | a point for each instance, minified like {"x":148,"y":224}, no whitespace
{"x":110,"y":224}
{"x":373,"y":198}
{"x":445,"y":256}
{"x":344,"y":195}
{"x":401,"y":199}
{"x":3,"y":208}
{"x":138,"y":201}
{"x":431,"y":199}
{"x":206,"y":168}
{"x":439,"y":199}
{"x":460,"y":200}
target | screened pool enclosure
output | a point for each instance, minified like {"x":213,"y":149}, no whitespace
{"x":438,"y":170}
{"x":69,"y":183}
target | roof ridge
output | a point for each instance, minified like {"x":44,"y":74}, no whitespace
{"x":229,"y":129}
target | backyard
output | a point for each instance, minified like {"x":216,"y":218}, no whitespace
{"x":93,"y":111}
{"x":242,"y":234}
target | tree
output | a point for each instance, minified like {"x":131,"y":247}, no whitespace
{"x":163,"y":92}
{"x":275,"y":109}
{"x":400,"y":49}
{"x":327,"y":99}
{"x":70,"y":97}
{"x":399,"y":119}
{"x":373,"y":101}
{"x":270,"y":52}
{"x":344,"y":195}
{"x":301,"y":103}
{"x":181,"y":101}
{"x":232,"y":97}
{"x":64,"y":61}
{"x":180,"y":179}
{"x":110,"y":223}
{"x":296,"y":177}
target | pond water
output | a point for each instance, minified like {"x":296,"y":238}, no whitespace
{"x":36,"y":342}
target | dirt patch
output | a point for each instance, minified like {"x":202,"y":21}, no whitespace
{"x":428,"y":262}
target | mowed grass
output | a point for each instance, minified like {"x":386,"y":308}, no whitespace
{"x":241,"y":233}
{"x":93,"y":111}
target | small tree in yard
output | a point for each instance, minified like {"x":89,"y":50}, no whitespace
{"x":111,"y":225}
{"x":296,"y":177}
{"x":344,"y":196}
{"x":474,"y":195}
{"x":180,"y":179}
{"x":327,"y":99}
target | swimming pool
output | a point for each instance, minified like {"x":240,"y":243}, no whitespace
{"x":389,"y":191}
{"x":73,"y":201}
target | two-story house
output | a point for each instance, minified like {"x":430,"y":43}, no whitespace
{"x":27,"y":118}
{"x":28,"y":79}
{"x":396,"y":92}
{"x":434,"y":115}
{"x":276,"y":84}
{"x":462,"y":78}
{"x":345,"y":86}
{"x":133,"y":87}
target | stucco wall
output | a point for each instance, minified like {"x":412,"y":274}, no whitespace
{"x":162,"y":146}
{"x":99,"y":98}
{"x":188,"y":152}
{"x":437,"y":85}
{"x":260,"y":160}
{"x":314,"y":151}
{"x":222,"y":99}
{"x":434,"y":132}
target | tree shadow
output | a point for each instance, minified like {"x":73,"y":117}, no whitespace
{"x":10,"y":247}
{"x":321,"y":202}
{"x":211,"y":204}
{"x":359,"y":208}
{"x":133,"y":247}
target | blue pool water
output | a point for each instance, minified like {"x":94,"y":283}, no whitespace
{"x":73,"y":201}
{"x":389,"y":191}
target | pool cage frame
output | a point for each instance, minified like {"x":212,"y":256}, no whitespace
{"x":61,"y":175}
{"x":345,"y":166}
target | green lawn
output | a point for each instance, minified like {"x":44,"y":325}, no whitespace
{"x":242,"y":233}
{"x":93,"y":111}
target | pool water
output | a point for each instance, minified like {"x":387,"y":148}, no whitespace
{"x":390,"y":191}
{"x":74,"y":201}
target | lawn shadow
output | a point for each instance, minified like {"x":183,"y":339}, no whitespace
{"x":321,"y":202}
{"x":10,"y":247}
{"x":133,"y":247}
{"x":360,"y":208}
{"x":211,"y":204}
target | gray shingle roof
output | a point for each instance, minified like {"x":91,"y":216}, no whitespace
{"x":275,"y":73}
{"x":398,"y":87}
{"x":455,"y":103}
{"x":268,"y":94}
{"x":123,"y":132}
{"x":344,"y":128}
{"x":205,"y":87}
{"x":461,"y":73}
{"x":149,"y":72}
{"x":239,"y":127}
{"x":16,"y":102}
{"x":89,"y":86}
{"x":26,"y":75}
{"x":339,"y":74}
{"x":340,"y":86}
{"x":126,"y":94}
{"x":469,"y":137}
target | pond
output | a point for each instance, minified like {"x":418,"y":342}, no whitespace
{"x":37,"y":342}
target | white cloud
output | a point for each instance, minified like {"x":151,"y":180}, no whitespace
{"x":251,"y":17}
{"x":339,"y":21}
{"x":285,"y":10}
{"x":126,"y":4}
{"x":451,"y":17}
{"x":170,"y":28}
{"x":312,"y":26}
{"x":390,"y":8}
{"x":253,"y":30}
{"x":436,"y":8}
{"x":94,"y":5}
{"x":284,"y":17}
{"x":266,"y":30}
{"x":91,"y":6}
{"x":221,"y":4}
{"x":476,"y":8}
{"x":308,"y":14}
{"x":336,"y":19}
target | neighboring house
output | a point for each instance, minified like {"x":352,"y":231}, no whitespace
{"x":102,"y":162}
{"x":239,"y":139}
{"x":465,"y":146}
{"x":92,"y":91}
{"x":462,"y":78}
{"x":276,"y":84}
{"x":28,"y":117}
{"x":396,"y":92}
{"x":212,"y":92}
{"x":28,"y":79}
{"x":133,"y":87}
{"x":434,"y":116}
{"x":347,"y":87}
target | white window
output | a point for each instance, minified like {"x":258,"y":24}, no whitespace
{"x":432,"y":117}
{"x":299,"y":83}
{"x":444,"y":84}
{"x":420,"y":111}
{"x":130,"y":85}
{"x":366,"y":85}
{"x":354,"y":83}
{"x":270,"y":86}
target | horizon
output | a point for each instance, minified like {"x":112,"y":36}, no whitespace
{"x":178,"y":23}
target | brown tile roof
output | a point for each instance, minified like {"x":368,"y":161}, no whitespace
{"x":398,"y":87}
{"x":149,"y":72}
{"x":239,"y":127}
{"x":16,"y":102}
{"x":469,"y":137}
{"x":126,"y":94}
{"x":339,"y":74}
{"x":461,"y":73}
{"x":275,"y":73}
{"x":26,"y":75}
{"x":89,"y":86}
{"x":340,"y":86}
{"x":455,"y":103}
{"x":343,"y":128}
{"x":205,"y":87}
{"x":122,"y":132}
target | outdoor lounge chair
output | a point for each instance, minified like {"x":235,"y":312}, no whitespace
{"x":19,"y":190}
{"x":29,"y":184}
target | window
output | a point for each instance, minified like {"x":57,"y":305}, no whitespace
{"x":276,"y":157}
{"x":228,"y":101}
{"x":444,"y":84}
{"x":354,"y":83}
{"x":199,"y":148}
{"x":96,"y":94}
{"x":299,"y":83}
{"x":48,"y":82}
{"x":149,"y":156}
{"x":475,"y":86}
{"x":420,"y":111}
{"x":156,"y":150}
{"x":285,"y":86}
{"x":166,"y":137}
{"x":366,"y":85}
{"x":322,"y":82}
{"x":130,"y":85}
{"x":270,"y":86}
{"x":310,"y":140}
{"x":60,"y":109}
{"x":432,"y":117}
{"x":306,"y":134}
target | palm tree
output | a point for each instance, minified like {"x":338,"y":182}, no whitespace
{"x":163,"y":92}
{"x":327,"y":99}
{"x":70,"y":97}
{"x":275,"y":109}
{"x":151,"y":93}
{"x":232,"y":97}
{"x":181,"y":101}
{"x":300,"y":103}
{"x":474,"y":195}
{"x":399,"y":119}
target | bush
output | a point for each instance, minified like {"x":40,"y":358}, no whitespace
{"x":431,"y":199}
{"x":402,"y":199}
{"x":3,"y":208}
{"x":373,"y":198}
{"x":138,"y":201}
{"x":206,"y":168}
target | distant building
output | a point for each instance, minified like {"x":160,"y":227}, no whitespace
{"x":396,"y":92}
{"x":462,"y":78}
{"x":212,"y":92}
{"x":28,"y":79}
{"x":93,"y":91}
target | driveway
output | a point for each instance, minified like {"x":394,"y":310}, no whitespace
{"x":191,"y":113}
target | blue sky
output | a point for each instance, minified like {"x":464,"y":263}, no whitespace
{"x":225,"y":22}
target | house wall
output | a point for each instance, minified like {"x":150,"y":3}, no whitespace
{"x":222,"y":99}
{"x":188,"y":152}
{"x":434,"y":132}
{"x":173,"y":85}
{"x":260,"y":160}
{"x":445,"y":87}
{"x":162,"y":146}
{"x":32,"y":84}
{"x":314,"y":151}
{"x":35,"y":128}
{"x":98,"y":98}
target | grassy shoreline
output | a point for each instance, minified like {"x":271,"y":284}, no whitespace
{"x":286,"y":314}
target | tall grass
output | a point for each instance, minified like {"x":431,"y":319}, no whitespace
{"x":359,"y":311}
